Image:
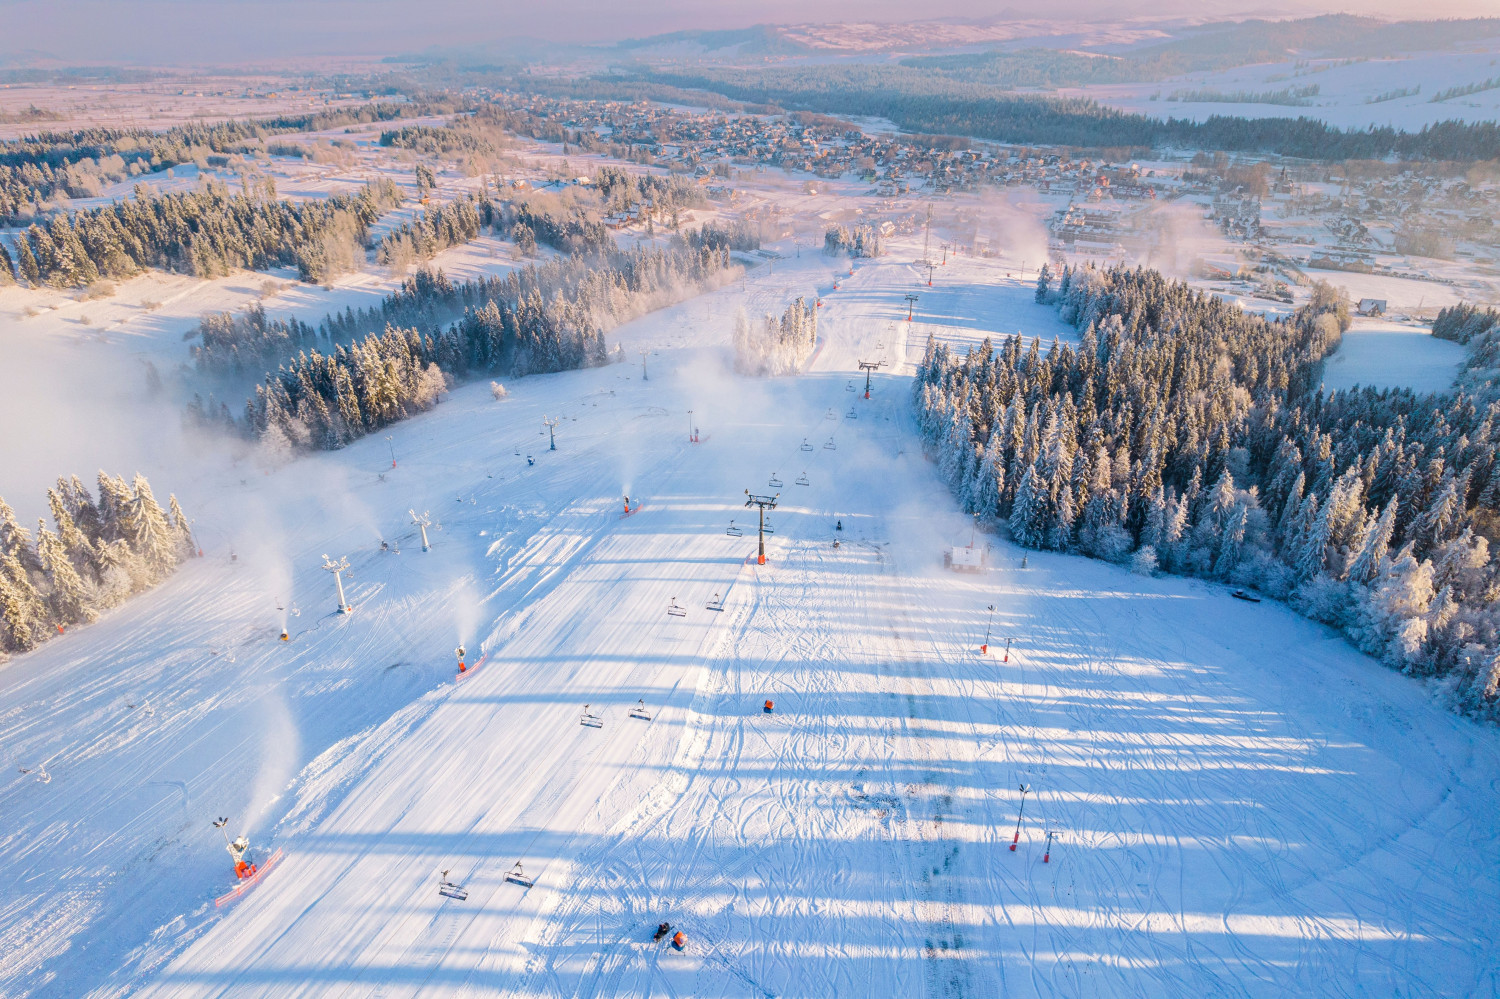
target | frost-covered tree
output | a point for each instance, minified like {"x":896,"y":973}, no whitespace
{"x":1180,"y":423}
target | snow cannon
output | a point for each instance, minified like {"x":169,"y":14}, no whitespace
{"x":242,"y":868}
{"x":460,"y":654}
{"x":678,"y":940}
{"x":770,"y":707}
{"x":284,"y":636}
{"x":984,"y":650}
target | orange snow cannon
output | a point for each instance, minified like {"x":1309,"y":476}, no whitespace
{"x":284,"y":636}
{"x":678,"y":940}
{"x":770,"y":707}
{"x":243,"y":870}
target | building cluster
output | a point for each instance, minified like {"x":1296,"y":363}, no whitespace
{"x":715,"y":142}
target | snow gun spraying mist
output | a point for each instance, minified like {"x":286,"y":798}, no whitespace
{"x":245,"y":872}
{"x":466,"y":605}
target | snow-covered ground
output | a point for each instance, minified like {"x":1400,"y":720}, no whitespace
{"x":1241,"y":804}
{"x":1346,"y":89}
{"x":1383,"y":353}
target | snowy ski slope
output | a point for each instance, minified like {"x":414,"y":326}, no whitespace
{"x":1243,"y":805}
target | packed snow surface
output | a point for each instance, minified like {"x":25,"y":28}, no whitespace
{"x":1383,"y":353}
{"x":1241,"y":805}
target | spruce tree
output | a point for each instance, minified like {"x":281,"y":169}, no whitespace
{"x":67,"y":597}
{"x":148,"y":532}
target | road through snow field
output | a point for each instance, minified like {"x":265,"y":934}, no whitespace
{"x":1241,"y":804}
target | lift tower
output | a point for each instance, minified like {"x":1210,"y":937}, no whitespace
{"x":764,"y":503}
{"x":867,"y":367}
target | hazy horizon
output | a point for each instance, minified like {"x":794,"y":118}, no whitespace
{"x":73,"y":32}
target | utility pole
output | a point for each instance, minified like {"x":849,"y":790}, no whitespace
{"x":930,"y":267}
{"x":393,"y":449}
{"x":867,"y":367}
{"x":1025,"y":789}
{"x":421,"y":522}
{"x":342,"y":565}
{"x":551,"y":426}
{"x":764,"y":503}
{"x":911,"y":301}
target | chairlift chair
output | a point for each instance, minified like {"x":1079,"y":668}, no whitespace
{"x":715,"y":603}
{"x":829,"y":445}
{"x":518,"y":877}
{"x":454,"y":891}
{"x":639,"y":711}
{"x":776,"y":483}
{"x":852,"y":415}
{"x":733,"y":531}
{"x":849,"y":387}
{"x":675,"y":609}
{"x":589,"y":720}
{"x":805,"y":445}
{"x":802,"y":480}
{"x":830,"y":415}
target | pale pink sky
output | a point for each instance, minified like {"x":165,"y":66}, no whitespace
{"x":205,"y":31}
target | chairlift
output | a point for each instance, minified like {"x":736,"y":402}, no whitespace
{"x":776,"y":483}
{"x":715,"y":603}
{"x":830,"y":415}
{"x":849,"y":387}
{"x":805,"y":445}
{"x":802,"y":480}
{"x":518,"y":877}
{"x":829,"y":445}
{"x":639,"y":711}
{"x":851,"y":415}
{"x":675,"y":609}
{"x":588,"y":719}
{"x":448,"y":889}
{"x":734,"y":531}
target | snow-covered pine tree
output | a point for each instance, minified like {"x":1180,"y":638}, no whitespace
{"x":67,"y":596}
{"x":148,"y":532}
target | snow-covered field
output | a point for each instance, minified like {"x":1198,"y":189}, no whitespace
{"x":1382,"y":353}
{"x":1346,"y":90}
{"x":1241,"y":804}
